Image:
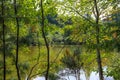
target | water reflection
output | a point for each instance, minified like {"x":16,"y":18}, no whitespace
{"x":66,"y":74}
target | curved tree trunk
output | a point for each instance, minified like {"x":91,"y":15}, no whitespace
{"x":46,"y":43}
{"x":17,"y":43}
{"x":3,"y":32}
{"x":98,"y":41}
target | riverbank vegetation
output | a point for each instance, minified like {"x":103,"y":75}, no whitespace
{"x":42,"y":37}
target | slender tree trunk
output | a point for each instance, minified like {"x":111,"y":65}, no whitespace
{"x":46,"y":43}
{"x":4,"y":54}
{"x":78,"y":74}
{"x":98,"y":42}
{"x":17,"y":43}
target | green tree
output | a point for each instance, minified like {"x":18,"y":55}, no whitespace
{"x":3,"y":32}
{"x":97,"y":15}
{"x":17,"y":43}
{"x":73,"y":61}
{"x":46,"y":43}
{"x":114,"y":67}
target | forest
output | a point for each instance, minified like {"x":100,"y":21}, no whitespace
{"x":46,"y":37}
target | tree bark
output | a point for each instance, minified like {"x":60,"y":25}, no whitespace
{"x":17,"y":43}
{"x":78,"y":74}
{"x":46,"y":43}
{"x":98,"y":41}
{"x":3,"y":32}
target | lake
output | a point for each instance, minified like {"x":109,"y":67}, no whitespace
{"x":93,"y":76}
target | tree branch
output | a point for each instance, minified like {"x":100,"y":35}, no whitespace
{"x":46,"y":43}
{"x":17,"y":43}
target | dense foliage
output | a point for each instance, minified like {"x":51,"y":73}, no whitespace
{"x":70,"y":31}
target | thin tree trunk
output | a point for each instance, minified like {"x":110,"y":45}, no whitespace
{"x":78,"y":74}
{"x":4,"y":54}
{"x":46,"y":43}
{"x":98,"y":42}
{"x":31,"y":70}
{"x":17,"y":43}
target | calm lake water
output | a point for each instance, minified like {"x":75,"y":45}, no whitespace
{"x":93,"y":76}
